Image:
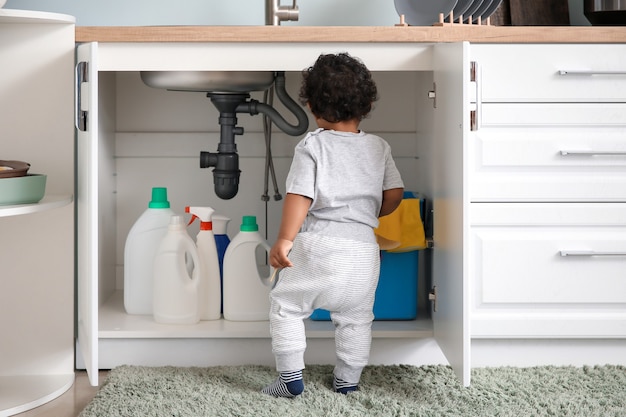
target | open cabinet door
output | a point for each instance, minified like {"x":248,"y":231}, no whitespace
{"x":451,"y":119}
{"x":87,"y":206}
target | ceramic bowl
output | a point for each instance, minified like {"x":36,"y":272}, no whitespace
{"x":28,"y":189}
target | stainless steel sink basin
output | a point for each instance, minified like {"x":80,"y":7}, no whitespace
{"x":209,"y":81}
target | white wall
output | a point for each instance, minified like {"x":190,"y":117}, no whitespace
{"x":212,"y":12}
{"x":229,"y":12}
{"x":159,"y":135}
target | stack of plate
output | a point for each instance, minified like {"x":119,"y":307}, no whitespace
{"x":19,"y":187}
{"x":10,"y":169}
{"x":426,"y":12}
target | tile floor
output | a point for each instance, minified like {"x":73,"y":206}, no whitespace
{"x":72,"y":402}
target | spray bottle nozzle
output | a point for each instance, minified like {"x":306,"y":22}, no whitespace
{"x":205,"y":215}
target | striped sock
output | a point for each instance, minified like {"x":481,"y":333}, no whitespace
{"x":288,"y":384}
{"x":344,"y":387}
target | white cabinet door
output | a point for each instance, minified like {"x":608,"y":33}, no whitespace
{"x":548,"y":270}
{"x":87,"y":207}
{"x":450,"y":201}
{"x":542,"y":162}
{"x":552,"y":73}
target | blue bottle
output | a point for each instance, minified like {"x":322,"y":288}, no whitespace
{"x":220,"y":225}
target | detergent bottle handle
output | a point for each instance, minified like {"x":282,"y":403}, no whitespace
{"x":191,"y":248}
{"x":269,"y":281}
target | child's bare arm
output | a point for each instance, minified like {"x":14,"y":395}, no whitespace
{"x":391,"y":201}
{"x":295,"y":210}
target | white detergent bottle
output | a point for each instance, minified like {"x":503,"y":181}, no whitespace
{"x":246,"y":290}
{"x":141,"y":246}
{"x":175,"y":295}
{"x":209,"y":289}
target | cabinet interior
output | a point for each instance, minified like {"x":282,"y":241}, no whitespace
{"x":151,"y":137}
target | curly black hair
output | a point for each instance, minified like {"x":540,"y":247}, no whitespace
{"x":338,"y":87}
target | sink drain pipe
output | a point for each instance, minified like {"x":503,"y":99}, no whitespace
{"x":226,"y":160}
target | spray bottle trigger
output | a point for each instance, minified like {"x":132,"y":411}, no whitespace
{"x":193,"y":218}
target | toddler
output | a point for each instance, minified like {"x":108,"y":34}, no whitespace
{"x":340,"y":181}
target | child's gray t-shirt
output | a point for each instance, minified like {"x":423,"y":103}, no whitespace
{"x":345,"y":175}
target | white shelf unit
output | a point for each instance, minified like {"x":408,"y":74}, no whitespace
{"x":114,"y":323}
{"x":137,"y":136}
{"x":49,"y":202}
{"x":22,"y":392}
{"x":19,"y":393}
{"x":37,"y":250}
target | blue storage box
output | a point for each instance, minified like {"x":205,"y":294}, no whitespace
{"x":396,"y":294}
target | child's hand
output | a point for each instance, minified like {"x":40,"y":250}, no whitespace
{"x":279,"y":252}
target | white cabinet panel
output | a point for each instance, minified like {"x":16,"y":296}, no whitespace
{"x":547,"y":178}
{"x":560,"y":73}
{"x":548,"y":269}
{"x":451,"y":319}
{"x":552,"y":114}
{"x":550,"y":265}
{"x":87,"y":219}
{"x":251,"y":56}
{"x":548,"y":163}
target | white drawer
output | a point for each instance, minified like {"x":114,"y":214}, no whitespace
{"x":581,"y":161}
{"x":552,"y":114}
{"x":548,"y":255}
{"x":562,"y":73}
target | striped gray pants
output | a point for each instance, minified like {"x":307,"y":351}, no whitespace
{"x":336,"y":274}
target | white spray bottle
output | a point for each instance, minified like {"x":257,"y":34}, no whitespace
{"x":210,"y":289}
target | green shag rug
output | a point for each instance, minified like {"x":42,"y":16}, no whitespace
{"x":396,"y":390}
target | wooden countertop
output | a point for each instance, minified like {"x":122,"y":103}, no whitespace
{"x":427,"y":34}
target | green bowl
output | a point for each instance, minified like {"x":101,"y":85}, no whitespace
{"x":28,"y":189}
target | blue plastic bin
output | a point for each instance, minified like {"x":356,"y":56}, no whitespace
{"x":396,"y":294}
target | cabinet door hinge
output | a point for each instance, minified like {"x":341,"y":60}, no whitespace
{"x":475,"y":99}
{"x":432,"y":296}
{"x":473,"y":70}
{"x":82,"y":94}
{"x":432,"y":94}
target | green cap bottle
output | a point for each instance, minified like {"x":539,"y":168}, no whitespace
{"x":248,"y":224}
{"x":159,"y":198}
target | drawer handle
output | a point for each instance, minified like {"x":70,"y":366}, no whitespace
{"x":565,"y":253}
{"x":590,"y":72}
{"x":592,"y":153}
